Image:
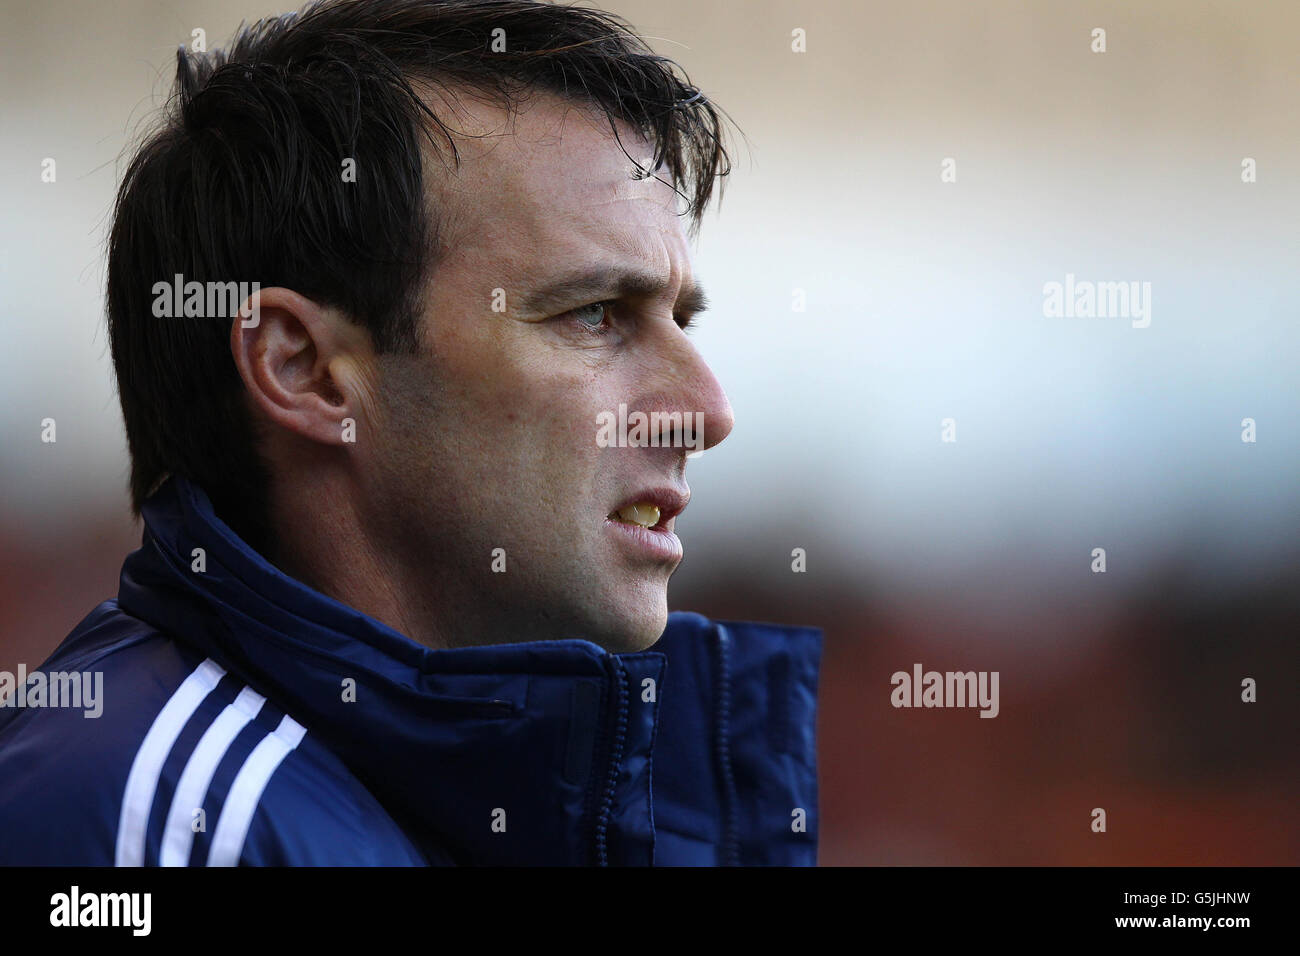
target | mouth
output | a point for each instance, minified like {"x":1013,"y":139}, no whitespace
{"x":643,"y":526}
{"x":651,"y":510}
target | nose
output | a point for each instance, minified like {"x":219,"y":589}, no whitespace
{"x":689,"y":386}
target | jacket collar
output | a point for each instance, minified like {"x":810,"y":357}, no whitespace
{"x":550,"y":740}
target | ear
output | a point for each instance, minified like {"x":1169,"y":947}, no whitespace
{"x":306,"y":367}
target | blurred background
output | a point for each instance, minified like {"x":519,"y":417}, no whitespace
{"x":922,"y":301}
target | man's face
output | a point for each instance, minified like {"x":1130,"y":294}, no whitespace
{"x":489,"y":440}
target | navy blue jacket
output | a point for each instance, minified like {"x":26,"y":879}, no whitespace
{"x":248,"y":719}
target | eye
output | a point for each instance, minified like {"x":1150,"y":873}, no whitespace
{"x":592,"y":317}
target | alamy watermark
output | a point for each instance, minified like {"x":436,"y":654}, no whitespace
{"x":130,"y":910}
{"x":946,"y":689}
{"x":1086,"y":299}
{"x":77,"y":689}
{"x":623,"y":429}
{"x":207,"y":300}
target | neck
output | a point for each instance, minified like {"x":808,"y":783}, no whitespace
{"x":320,"y":538}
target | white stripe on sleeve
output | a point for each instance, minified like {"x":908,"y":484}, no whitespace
{"x":246,"y":791}
{"x":142,"y":781}
{"x":178,"y":834}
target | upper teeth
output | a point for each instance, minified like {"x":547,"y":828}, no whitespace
{"x":642,"y":513}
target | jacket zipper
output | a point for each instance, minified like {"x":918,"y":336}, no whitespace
{"x":606,"y":806}
{"x":728,"y":851}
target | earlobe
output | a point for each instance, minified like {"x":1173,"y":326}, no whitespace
{"x":285,"y":352}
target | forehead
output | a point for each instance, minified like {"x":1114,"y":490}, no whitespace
{"x":547,"y":188}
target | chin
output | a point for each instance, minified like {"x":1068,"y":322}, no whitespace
{"x":633,"y":629}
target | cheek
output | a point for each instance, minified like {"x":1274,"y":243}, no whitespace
{"x":554,"y":425}
{"x":524,"y":411}
{"x":553,"y":451}
{"x":547,"y":398}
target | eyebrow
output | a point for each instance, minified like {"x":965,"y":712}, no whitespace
{"x":601,"y":282}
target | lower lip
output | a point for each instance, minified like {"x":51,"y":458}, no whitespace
{"x":657,"y":545}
